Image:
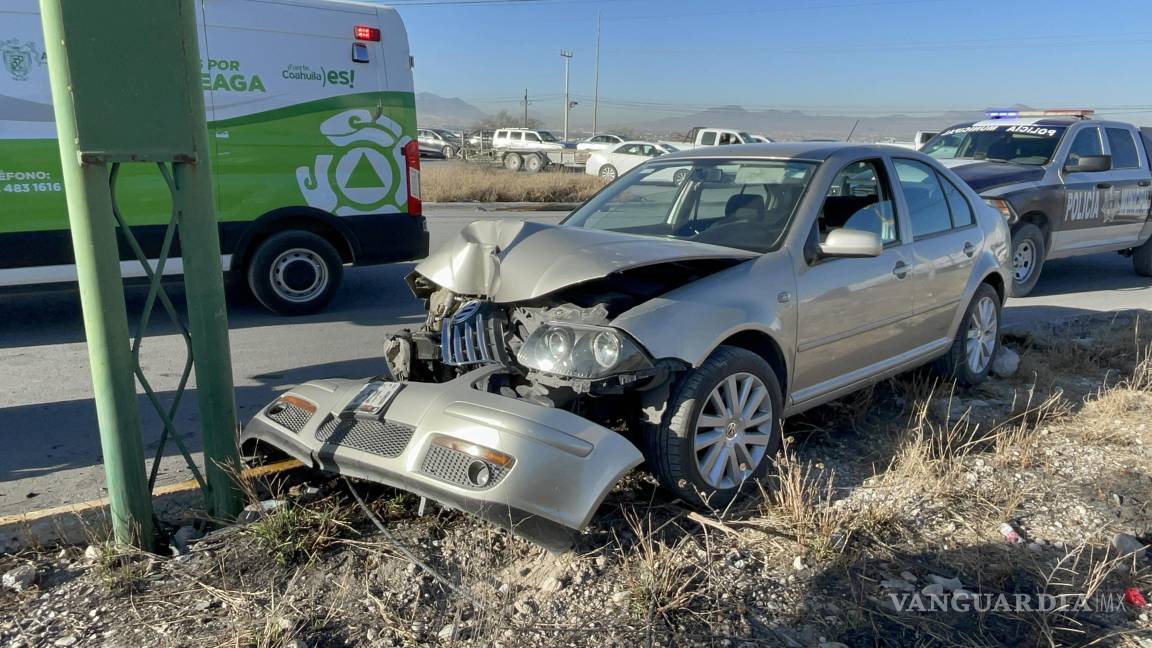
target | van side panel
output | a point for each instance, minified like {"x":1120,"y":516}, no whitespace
{"x":295,"y":123}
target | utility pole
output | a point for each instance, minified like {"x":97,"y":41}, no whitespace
{"x":596,"y":78}
{"x":525,"y":102}
{"x":567,"y":54}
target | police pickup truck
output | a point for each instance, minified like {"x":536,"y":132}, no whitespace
{"x":1068,"y":184}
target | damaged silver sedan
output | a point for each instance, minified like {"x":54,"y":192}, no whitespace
{"x":675,"y":318}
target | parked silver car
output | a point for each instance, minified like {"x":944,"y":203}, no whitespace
{"x":677,"y":317}
{"x":438,"y":142}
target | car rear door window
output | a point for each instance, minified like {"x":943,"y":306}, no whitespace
{"x":1124,"y":154}
{"x":859,"y":199}
{"x":927,"y":206}
{"x":962,"y":214}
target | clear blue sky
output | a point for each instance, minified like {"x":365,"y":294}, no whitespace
{"x":862,"y":57}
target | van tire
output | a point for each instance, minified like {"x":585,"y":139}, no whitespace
{"x":513,"y":162}
{"x":1142,"y":259}
{"x":670,"y":447}
{"x":295,"y":273}
{"x":1028,"y":251}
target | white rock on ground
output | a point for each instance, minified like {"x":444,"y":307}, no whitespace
{"x":19,"y":578}
{"x":1006,"y":363}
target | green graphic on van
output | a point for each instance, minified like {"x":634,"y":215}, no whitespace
{"x":19,"y":57}
{"x":367,"y":175}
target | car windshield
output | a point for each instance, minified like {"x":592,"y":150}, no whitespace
{"x":548,"y":137}
{"x":1015,"y":143}
{"x":745,"y":204}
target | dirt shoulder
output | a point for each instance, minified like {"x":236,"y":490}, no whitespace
{"x":881,"y":527}
{"x":473,"y":182}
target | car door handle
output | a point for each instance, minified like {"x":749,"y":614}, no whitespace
{"x":969,"y":249}
{"x":901,"y":269}
{"x":1103,"y":185}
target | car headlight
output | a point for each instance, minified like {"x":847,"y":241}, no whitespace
{"x":581,"y":351}
{"x":1002,"y":206}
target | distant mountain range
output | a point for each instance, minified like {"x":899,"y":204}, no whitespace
{"x":438,"y":111}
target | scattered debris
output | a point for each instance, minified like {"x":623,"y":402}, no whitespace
{"x":1006,"y":363}
{"x":19,"y":578}
{"x":1127,"y":544}
{"x":1011,"y":536}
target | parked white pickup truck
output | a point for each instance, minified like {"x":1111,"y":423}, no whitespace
{"x":701,"y":136}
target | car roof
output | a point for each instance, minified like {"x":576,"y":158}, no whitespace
{"x":811,"y":151}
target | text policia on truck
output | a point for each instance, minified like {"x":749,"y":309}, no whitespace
{"x":1068,"y":184}
{"x":312,"y":117}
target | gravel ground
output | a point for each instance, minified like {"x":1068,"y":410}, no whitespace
{"x":888,"y":499}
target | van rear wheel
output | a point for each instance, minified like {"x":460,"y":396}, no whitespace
{"x":295,"y":273}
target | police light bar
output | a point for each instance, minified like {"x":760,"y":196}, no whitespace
{"x":993,"y":113}
{"x":366,"y":33}
{"x":1082,"y":113}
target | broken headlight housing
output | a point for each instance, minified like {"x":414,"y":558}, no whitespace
{"x":581,"y":351}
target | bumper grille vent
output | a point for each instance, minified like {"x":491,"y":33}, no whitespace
{"x":384,"y":438}
{"x":289,"y":415}
{"x":451,"y":466}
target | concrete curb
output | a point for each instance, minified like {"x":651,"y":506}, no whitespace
{"x":84,"y":521}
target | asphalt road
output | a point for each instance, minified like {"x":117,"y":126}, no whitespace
{"x":50,"y":445}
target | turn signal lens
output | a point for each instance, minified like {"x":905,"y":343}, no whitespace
{"x":478,"y":451}
{"x":1002,"y":206}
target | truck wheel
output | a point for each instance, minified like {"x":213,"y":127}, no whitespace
{"x":722,"y":429}
{"x":295,"y":273}
{"x":448,"y":152}
{"x":1027,"y":258}
{"x":680,"y":176}
{"x":608,"y":173}
{"x":533,"y":163}
{"x":1142,"y":259}
{"x":513,"y":162}
{"x":969,"y":359}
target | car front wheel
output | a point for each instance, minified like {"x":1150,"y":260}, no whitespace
{"x":721,"y":429}
{"x":1027,"y":258}
{"x":969,"y":359}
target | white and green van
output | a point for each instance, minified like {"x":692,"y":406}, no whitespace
{"x":312,"y":117}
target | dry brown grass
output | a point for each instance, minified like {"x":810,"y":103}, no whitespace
{"x":467,"y":183}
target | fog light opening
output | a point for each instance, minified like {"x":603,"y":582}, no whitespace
{"x":479,"y":473}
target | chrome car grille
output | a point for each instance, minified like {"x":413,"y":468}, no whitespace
{"x":384,"y":438}
{"x":451,"y":466}
{"x":473,"y":335}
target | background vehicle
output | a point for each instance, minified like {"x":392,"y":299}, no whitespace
{"x":315,"y":161}
{"x":438,"y":142}
{"x":523,"y":139}
{"x":553,"y":359}
{"x":608,"y":164}
{"x":1066,"y":183}
{"x":480,"y":138}
{"x":600,"y":142}
{"x":523,"y":149}
{"x":701,"y":136}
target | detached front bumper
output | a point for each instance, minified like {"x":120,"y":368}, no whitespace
{"x":540,"y":472}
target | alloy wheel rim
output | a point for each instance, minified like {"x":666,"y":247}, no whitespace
{"x":1023,"y":261}
{"x":608,"y":173}
{"x":733,"y":431}
{"x":298,"y":275}
{"x":981,"y":336}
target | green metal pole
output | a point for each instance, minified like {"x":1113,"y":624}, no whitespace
{"x":102,"y":297}
{"x":204,"y":287}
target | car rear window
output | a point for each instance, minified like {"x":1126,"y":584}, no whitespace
{"x":1124,"y":155}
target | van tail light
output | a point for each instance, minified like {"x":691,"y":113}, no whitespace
{"x":366,"y":33}
{"x":412,"y":162}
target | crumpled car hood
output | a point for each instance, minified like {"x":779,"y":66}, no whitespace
{"x":508,"y":261}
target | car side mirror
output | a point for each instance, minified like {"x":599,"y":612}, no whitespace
{"x":851,"y":244}
{"x":1089,"y":164}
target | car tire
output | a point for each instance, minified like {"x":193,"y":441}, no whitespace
{"x":295,"y":273}
{"x":608,"y":173}
{"x":680,"y":176}
{"x":969,"y":359}
{"x":448,"y":152}
{"x":1028,"y":252}
{"x":689,"y":470}
{"x":1142,"y":259}
{"x":513,"y":162}
{"x":533,"y":163}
